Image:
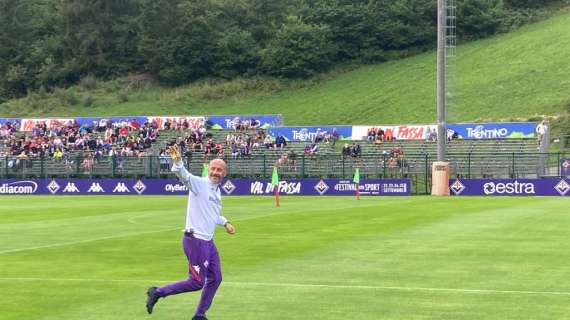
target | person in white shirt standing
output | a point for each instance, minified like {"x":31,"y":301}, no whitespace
{"x":202,"y":216}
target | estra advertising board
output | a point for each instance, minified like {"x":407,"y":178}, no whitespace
{"x":509,"y":187}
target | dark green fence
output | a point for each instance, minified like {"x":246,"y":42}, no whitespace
{"x":415,"y":167}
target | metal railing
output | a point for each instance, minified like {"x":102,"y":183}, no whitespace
{"x":415,"y":167}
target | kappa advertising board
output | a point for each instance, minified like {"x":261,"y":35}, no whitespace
{"x":260,"y":121}
{"x":492,"y":130}
{"x":333,"y":187}
{"x":509,"y":187}
{"x":309,"y":133}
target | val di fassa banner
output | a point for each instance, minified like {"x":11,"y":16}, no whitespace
{"x":509,"y":187}
{"x":323,"y":187}
{"x":398,"y":132}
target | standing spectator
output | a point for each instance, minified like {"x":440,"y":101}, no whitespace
{"x":335,"y":136}
{"x":541,"y":129}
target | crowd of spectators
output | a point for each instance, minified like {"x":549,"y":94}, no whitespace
{"x":354,"y":150}
{"x":62,"y":141}
{"x":378,"y":135}
{"x":245,"y":124}
{"x":394,"y":158}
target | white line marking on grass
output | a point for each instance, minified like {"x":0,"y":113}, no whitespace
{"x":305,"y":285}
{"x":132,"y":220}
{"x":85,"y":241}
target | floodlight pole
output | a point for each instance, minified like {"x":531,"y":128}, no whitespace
{"x":441,"y":41}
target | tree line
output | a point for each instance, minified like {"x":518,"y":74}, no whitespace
{"x":46,"y":44}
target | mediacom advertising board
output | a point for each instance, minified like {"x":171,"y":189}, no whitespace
{"x":241,"y":187}
{"x":509,"y":187}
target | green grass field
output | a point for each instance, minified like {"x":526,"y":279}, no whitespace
{"x":313,"y":258}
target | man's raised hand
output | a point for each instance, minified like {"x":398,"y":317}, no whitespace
{"x":174,"y":154}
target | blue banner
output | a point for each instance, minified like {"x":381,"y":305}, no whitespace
{"x":252,"y":121}
{"x":493,"y":130}
{"x":10,"y":120}
{"x":509,"y":187}
{"x":310,"y":133}
{"x":115,"y":121}
{"x":307,"y":187}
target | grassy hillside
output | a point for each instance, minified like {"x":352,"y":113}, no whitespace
{"x":519,"y":75}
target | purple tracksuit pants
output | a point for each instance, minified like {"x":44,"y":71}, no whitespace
{"x":204,"y":272}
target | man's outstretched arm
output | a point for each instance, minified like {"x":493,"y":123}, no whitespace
{"x":178,"y":167}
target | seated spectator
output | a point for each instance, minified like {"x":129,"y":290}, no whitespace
{"x":326,"y":137}
{"x":283,"y":161}
{"x":380,"y":134}
{"x":87,"y":163}
{"x":244,"y":150}
{"x":57,"y":155}
{"x":219,"y":150}
{"x":99,"y":155}
{"x":392,"y":163}
{"x":450,"y":133}
{"x":292,"y":157}
{"x":346,"y":150}
{"x":314,"y":148}
{"x":318,"y":136}
{"x":234,"y":150}
{"x":268,"y":142}
{"x":371,"y":135}
{"x":164,"y":159}
{"x":209,"y":147}
{"x":280,"y":141}
{"x":379,"y":139}
{"x":356,"y":150}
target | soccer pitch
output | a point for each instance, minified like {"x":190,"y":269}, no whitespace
{"x":312,"y":258}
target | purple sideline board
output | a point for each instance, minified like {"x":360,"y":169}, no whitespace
{"x":509,"y":187}
{"x":307,"y":187}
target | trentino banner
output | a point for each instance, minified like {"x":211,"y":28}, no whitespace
{"x":241,"y":187}
{"x":259,"y":121}
{"x":494,"y":130}
{"x":509,"y":187}
{"x":309,"y":133}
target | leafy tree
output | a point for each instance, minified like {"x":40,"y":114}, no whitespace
{"x":298,"y":50}
{"x":479,"y":18}
{"x":181,"y":48}
{"x":24,"y":28}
